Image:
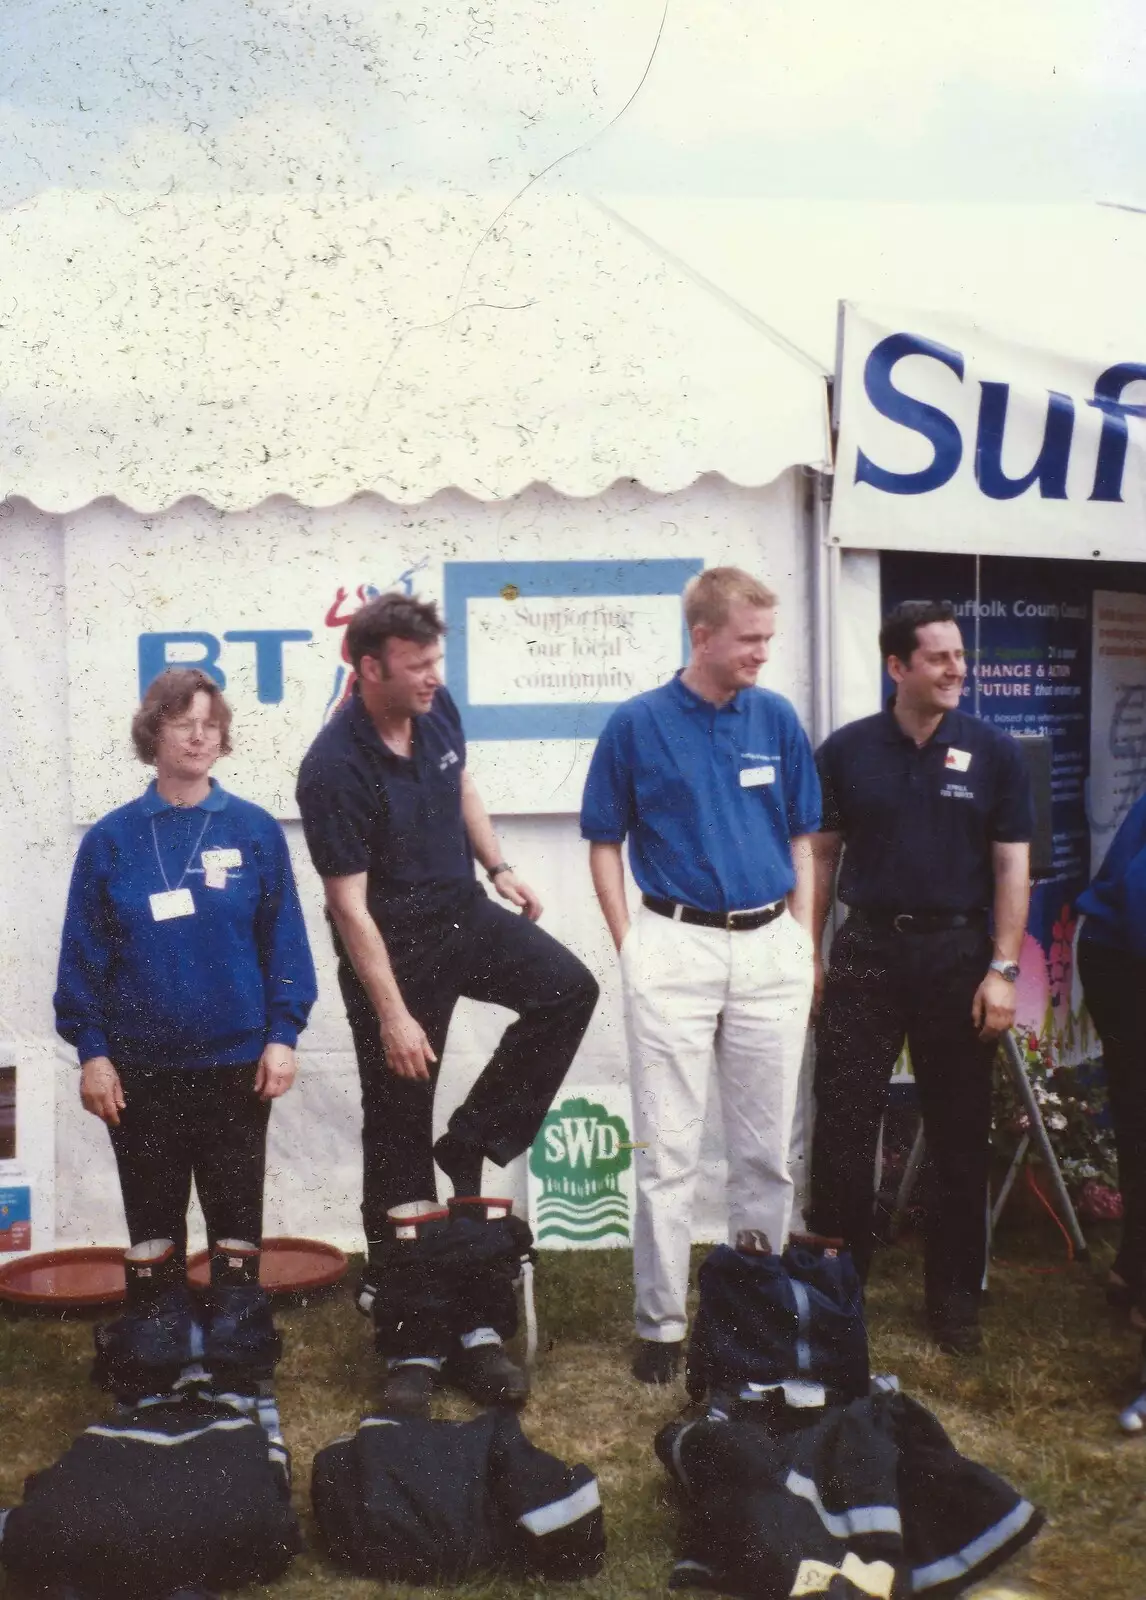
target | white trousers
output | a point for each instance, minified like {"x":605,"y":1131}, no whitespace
{"x":695,"y":996}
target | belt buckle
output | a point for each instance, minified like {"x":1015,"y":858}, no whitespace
{"x":730,"y":921}
{"x":902,"y":921}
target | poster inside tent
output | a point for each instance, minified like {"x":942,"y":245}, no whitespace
{"x":27,"y":1149}
{"x":1118,"y":715}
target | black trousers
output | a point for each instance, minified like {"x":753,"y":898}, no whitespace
{"x":881,"y":988}
{"x":206,"y":1125}
{"x":1114,"y":987}
{"x":484,"y":953}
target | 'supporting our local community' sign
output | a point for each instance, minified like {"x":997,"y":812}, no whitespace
{"x":951,"y":438}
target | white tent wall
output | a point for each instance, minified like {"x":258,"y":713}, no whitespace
{"x":314,"y":1160}
{"x":856,"y":636}
{"x":35,"y":834}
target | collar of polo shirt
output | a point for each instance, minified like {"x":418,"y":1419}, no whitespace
{"x":365,"y":732}
{"x":691,"y":701}
{"x":152,"y":802}
{"x":893,"y":733}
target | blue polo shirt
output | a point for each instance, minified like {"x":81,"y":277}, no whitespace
{"x":918,"y":821}
{"x":709,"y":797}
{"x":398,"y":819}
{"x":1115,"y":903}
{"x":205,"y":990}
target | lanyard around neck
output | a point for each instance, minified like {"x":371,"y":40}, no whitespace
{"x":169,"y":886}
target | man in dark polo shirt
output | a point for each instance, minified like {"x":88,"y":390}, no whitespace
{"x":713,"y":783}
{"x":932,"y":811}
{"x":394,"y":823}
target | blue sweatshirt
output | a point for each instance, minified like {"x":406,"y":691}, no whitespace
{"x":205,"y":990}
{"x":1115,"y":903}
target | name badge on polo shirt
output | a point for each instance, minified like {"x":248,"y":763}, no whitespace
{"x":957,"y":760}
{"x":753,"y":777}
{"x":222,"y":859}
{"x":171,"y":903}
{"x":216,"y":864}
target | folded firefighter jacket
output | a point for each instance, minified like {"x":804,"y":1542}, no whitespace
{"x":869,"y":1500}
{"x":410,"y":1501}
{"x":174,"y":1494}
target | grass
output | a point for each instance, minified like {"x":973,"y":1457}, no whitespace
{"x":1039,"y":1406}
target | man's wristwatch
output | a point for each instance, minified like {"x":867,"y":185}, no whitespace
{"x":504,"y":866}
{"x":1006,"y":969}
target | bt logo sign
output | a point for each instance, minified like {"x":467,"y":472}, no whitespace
{"x":158,"y":651}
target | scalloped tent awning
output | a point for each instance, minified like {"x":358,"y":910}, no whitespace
{"x":158,"y":347}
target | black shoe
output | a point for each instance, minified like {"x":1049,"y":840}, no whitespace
{"x":488,"y":1376}
{"x":1119,"y":1294}
{"x":408,"y":1391}
{"x":461,"y":1164}
{"x":957,"y":1337}
{"x":657,"y":1363}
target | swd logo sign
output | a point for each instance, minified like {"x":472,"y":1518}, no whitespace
{"x":580,"y":1172}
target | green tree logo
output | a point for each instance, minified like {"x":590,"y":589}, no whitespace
{"x":578,"y":1156}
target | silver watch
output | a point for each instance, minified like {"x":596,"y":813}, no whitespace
{"x":1006,"y":969}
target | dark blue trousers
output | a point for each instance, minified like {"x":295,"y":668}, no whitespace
{"x":884,"y":988}
{"x":483,"y":953}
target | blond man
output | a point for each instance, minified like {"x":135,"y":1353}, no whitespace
{"x":713,"y":783}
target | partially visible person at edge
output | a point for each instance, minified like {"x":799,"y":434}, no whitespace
{"x":713,"y":783}
{"x":931,"y":809}
{"x":185,"y":979}
{"x":394,"y":822}
{"x":1112,"y":970}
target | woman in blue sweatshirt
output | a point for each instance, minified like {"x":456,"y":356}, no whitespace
{"x":1112,"y":970}
{"x":185,"y":979}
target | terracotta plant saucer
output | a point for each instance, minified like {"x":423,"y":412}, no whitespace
{"x":65,"y":1280}
{"x":71,"y":1280}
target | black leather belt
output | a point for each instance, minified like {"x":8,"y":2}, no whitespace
{"x":736,"y":921}
{"x":916,"y":921}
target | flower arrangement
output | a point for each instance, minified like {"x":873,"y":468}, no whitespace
{"x":1072,"y":1100}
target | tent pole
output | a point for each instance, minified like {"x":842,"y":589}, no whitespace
{"x":825,"y":588}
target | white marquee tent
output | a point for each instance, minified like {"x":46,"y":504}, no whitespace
{"x":217,"y":412}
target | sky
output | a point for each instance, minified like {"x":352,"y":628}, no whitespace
{"x":994,"y":99}
{"x":990,"y":99}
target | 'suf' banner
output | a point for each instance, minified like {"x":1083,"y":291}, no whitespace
{"x":952,"y":438}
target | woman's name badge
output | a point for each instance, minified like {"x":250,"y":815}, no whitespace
{"x":215,"y":877}
{"x":172,"y":903}
{"x":753,"y":777}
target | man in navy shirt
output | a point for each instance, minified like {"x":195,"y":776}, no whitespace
{"x":394,"y":822}
{"x":713,"y":783}
{"x":932,"y":811}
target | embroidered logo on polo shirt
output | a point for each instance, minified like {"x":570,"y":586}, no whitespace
{"x":956,"y":791}
{"x":450,"y":759}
